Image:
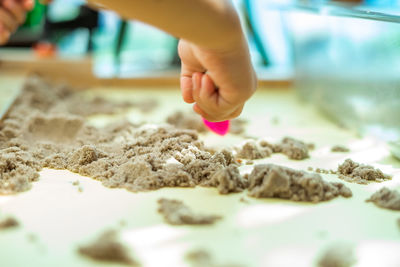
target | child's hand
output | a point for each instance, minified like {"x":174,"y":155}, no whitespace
{"x":214,"y":47}
{"x":218,"y":81}
{"x":12,"y":15}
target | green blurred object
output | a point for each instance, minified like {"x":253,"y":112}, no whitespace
{"x":35,"y":17}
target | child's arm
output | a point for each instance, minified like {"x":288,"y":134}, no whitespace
{"x":12,"y":14}
{"x":217,"y":73}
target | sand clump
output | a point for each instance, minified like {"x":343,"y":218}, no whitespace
{"x":203,"y":258}
{"x":18,"y":169}
{"x":354,"y":172}
{"x":292,"y":148}
{"x":107,"y":248}
{"x":8,"y":223}
{"x":386,"y":198}
{"x":273,"y":181}
{"x":229,"y":180}
{"x":259,"y":149}
{"x":147,"y":159}
{"x":340,"y":148}
{"x":338,"y":255}
{"x":39,"y":132}
{"x":254,"y":150}
{"x":175,"y":212}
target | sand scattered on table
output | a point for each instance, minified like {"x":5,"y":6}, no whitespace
{"x":202,"y":258}
{"x":339,"y":148}
{"x":273,"y":181}
{"x":175,"y":212}
{"x":229,"y":180}
{"x":238,"y":126}
{"x":187,"y":120}
{"x":324,"y":171}
{"x":32,"y":237}
{"x":259,"y":149}
{"x":292,"y":148}
{"x":244,"y":200}
{"x":8,"y":223}
{"x":252,"y":150}
{"x":354,"y":172}
{"x":96,"y":105}
{"x":108,"y":248}
{"x":41,"y":132}
{"x":386,"y":198}
{"x":338,"y":255}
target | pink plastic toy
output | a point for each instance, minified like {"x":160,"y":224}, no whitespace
{"x":221,"y":128}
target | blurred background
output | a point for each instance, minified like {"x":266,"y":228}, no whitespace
{"x":343,"y":56}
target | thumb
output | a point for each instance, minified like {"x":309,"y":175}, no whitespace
{"x":28,"y":4}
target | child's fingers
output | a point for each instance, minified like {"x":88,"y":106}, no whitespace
{"x":201,"y":112}
{"x":236,"y":113}
{"x":28,"y":4}
{"x":196,"y":80}
{"x":9,"y":22}
{"x":208,"y":89}
{"x":15,"y":9}
{"x":186,"y":89}
{"x":187,"y":72}
{"x":186,"y":84}
{"x":4,"y":34}
{"x":217,"y":113}
{"x":210,"y":117}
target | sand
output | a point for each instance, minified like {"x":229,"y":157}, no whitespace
{"x":338,"y":255}
{"x":40,"y":132}
{"x":293,"y":148}
{"x":203,"y":258}
{"x":175,"y":212}
{"x":252,"y":150}
{"x":8,"y":223}
{"x":43,"y":130}
{"x":259,"y":149}
{"x":340,"y":148}
{"x":386,"y":198}
{"x":18,"y":169}
{"x":186,"y":120}
{"x":107,"y":248}
{"x":354,"y":172}
{"x":273,"y":181}
{"x":229,"y":180}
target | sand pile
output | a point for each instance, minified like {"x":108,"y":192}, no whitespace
{"x":354,"y":172}
{"x":43,"y":130}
